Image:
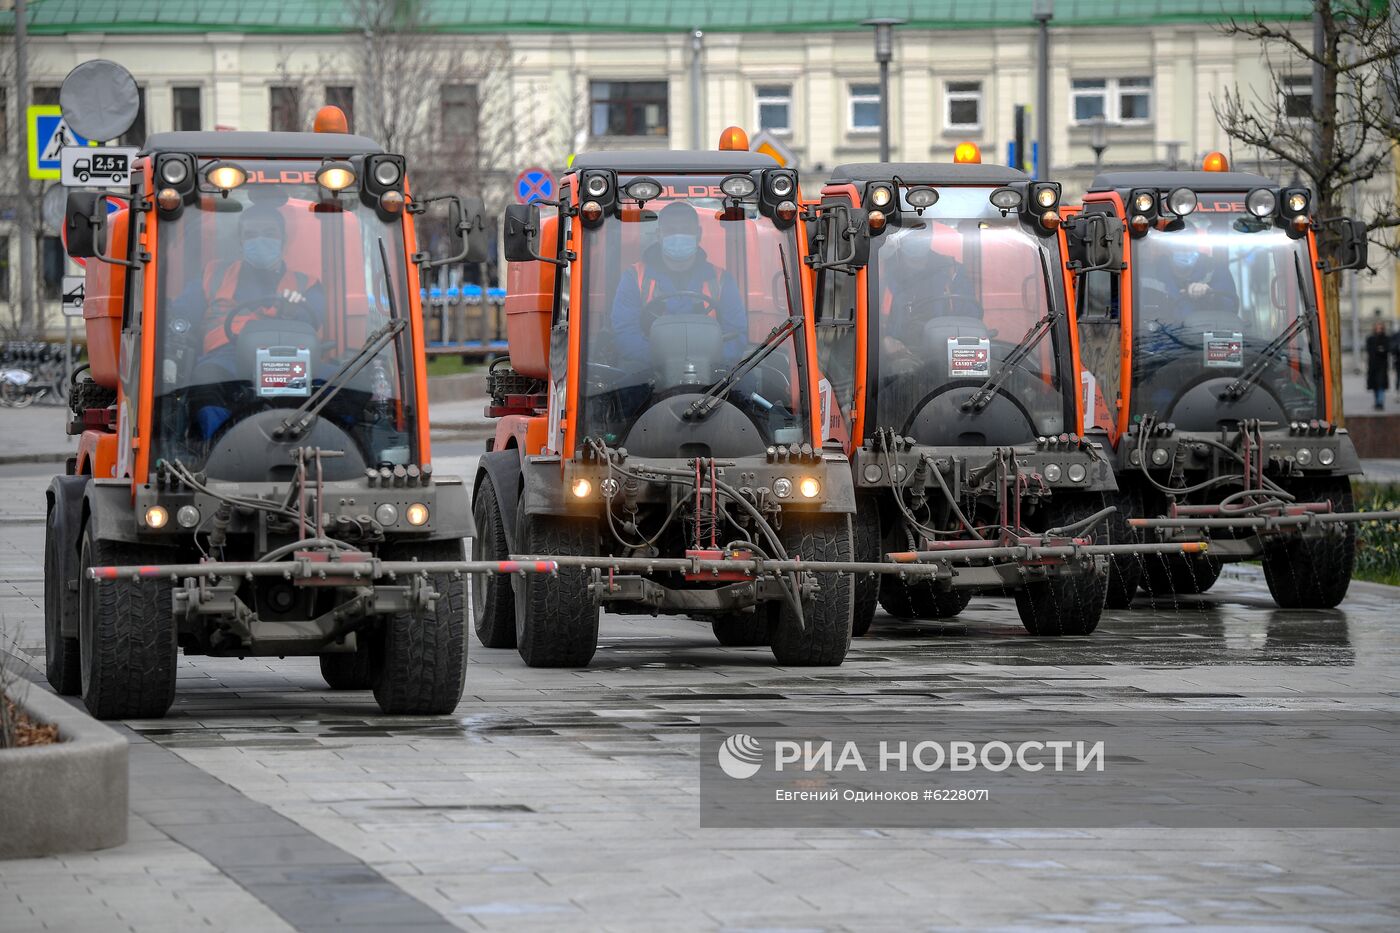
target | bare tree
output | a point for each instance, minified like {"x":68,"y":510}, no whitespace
{"x":1339,"y":137}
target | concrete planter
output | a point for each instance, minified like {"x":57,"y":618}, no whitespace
{"x":64,"y":797}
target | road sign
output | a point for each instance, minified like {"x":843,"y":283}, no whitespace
{"x":51,"y":209}
{"x":97,"y":166}
{"x":74,"y":287}
{"x":48,"y":136}
{"x":773,"y":147}
{"x":534,"y":184}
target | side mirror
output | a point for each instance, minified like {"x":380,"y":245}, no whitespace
{"x":1351,"y":244}
{"x":85,"y":224}
{"x":1093,"y":241}
{"x":522,"y":229}
{"x":477,"y":235}
{"x":845,"y":243}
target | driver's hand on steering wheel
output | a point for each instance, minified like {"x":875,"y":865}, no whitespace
{"x":1197,"y":289}
{"x":292,"y":296}
{"x":894,"y":347}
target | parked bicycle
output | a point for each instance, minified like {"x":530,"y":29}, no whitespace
{"x":31,"y":370}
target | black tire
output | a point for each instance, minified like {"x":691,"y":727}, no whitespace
{"x":493,"y":600}
{"x":1314,"y":570}
{"x":826,"y":636}
{"x":421,"y":657}
{"x":127,"y":640}
{"x":88,"y":394}
{"x":919,"y":598}
{"x":1179,"y":574}
{"x":62,"y":655}
{"x":351,"y":670}
{"x":1070,"y":604}
{"x":865,"y":528}
{"x":744,"y":629}
{"x":1124,"y":571}
{"x":556,"y":618}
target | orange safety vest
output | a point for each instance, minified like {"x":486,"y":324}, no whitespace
{"x":711,"y":288}
{"x":222,"y":300}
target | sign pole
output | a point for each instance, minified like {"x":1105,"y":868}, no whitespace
{"x":24,"y":216}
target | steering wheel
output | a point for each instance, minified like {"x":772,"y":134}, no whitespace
{"x":277,"y":301}
{"x":708,"y":306}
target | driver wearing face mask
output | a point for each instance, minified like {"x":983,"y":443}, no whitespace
{"x":918,"y":284}
{"x":673,"y":271}
{"x":1194,"y":281}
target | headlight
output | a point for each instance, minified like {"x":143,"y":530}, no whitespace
{"x":581,"y":488}
{"x":1261,"y":202}
{"x":1304,"y":456}
{"x":780,"y":185}
{"x":386,"y":173}
{"x":809,"y":487}
{"x":157,"y":517}
{"x":1144,"y":202}
{"x":609,"y":487}
{"x":1296,"y":201}
{"x":187,"y":516}
{"x":336,"y":176}
{"x":596,"y":186}
{"x":1053,"y":472}
{"x":386,"y":514}
{"x":1134,"y":457}
{"x":642,"y":189}
{"x":226,"y":176}
{"x":1046,"y":196}
{"x":782,"y":487}
{"x":1006,"y":199}
{"x":417,"y":514}
{"x":174,"y":171}
{"x":1159,"y":456}
{"x":1077,"y":473}
{"x":872,"y":472}
{"x":1326,"y":456}
{"x":881,"y":196}
{"x":738,"y":186}
{"x":921,"y":197}
{"x":1181,"y":201}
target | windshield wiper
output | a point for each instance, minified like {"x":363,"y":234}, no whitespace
{"x":707,"y":403}
{"x":1236,"y":390}
{"x":296,"y":423}
{"x":984,"y":395}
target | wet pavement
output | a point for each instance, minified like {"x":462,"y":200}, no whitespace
{"x":568,"y":799}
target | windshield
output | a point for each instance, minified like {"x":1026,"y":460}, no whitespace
{"x":957,"y":289}
{"x":262,"y":296}
{"x":676,"y":295}
{"x":1207,"y":300}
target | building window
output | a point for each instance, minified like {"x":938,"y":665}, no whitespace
{"x":4,"y":119}
{"x":1295,"y":97}
{"x":774,"y":107}
{"x":52,"y":259}
{"x":342,"y":96}
{"x":185,"y":108}
{"x":1115,"y":100}
{"x":962,"y":105}
{"x":864,"y":115}
{"x":628,"y":108}
{"x":284,"y":108}
{"x":45,"y":95}
{"x":136,"y":135}
{"x":4,"y":268}
{"x":460,"y":109}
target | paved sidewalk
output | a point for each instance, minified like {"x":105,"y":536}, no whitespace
{"x":37,"y":434}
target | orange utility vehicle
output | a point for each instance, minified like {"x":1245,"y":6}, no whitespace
{"x":953,"y":374}
{"x":253,"y":474}
{"x":658,"y":434}
{"x":1207,"y":371}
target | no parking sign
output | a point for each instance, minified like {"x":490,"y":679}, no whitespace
{"x":534,"y":184}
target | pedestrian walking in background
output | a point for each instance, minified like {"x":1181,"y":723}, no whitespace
{"x":1378,"y":349}
{"x":1395,"y":357}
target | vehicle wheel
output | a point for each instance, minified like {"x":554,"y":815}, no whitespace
{"x":1179,"y":574}
{"x":1313,"y":571}
{"x":62,"y":660}
{"x":16,"y":396}
{"x":556,"y":618}
{"x":493,"y":601}
{"x":745,"y":629}
{"x":865,"y":526}
{"x":920,"y":599}
{"x":826,"y":635}
{"x":350,"y":670}
{"x":88,"y":394}
{"x":1072,"y":603}
{"x":1124,"y":571}
{"x":421,"y":657}
{"x":127,"y":634}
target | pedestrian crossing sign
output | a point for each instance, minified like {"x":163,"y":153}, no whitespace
{"x":48,"y":136}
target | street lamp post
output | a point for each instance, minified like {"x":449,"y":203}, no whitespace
{"x":1044,"y":11}
{"x":1098,"y":141}
{"x":884,"y":51}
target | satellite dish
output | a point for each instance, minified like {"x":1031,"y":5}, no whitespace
{"x":99,"y":99}
{"x":51,"y":209}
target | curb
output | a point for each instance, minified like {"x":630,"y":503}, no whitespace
{"x":66,"y":797}
{"x":49,"y":457}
